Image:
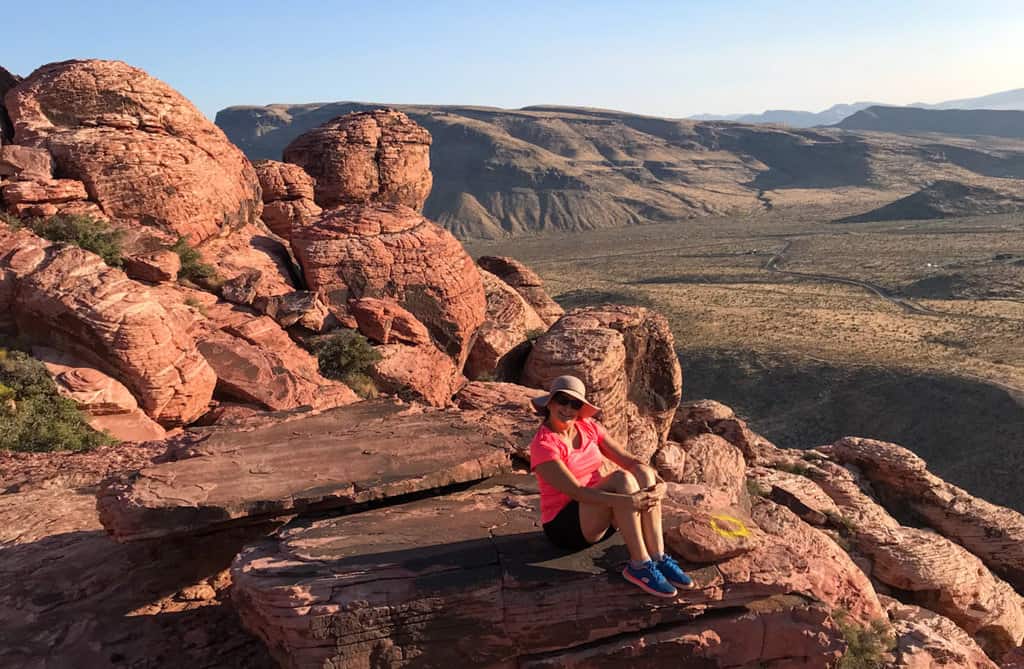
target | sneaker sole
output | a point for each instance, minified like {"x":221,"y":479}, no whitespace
{"x":646,"y":588}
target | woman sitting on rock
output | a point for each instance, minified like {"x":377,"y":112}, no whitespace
{"x":579,"y":507}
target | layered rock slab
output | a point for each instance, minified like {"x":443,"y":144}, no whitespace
{"x":341,"y":457}
{"x":374,"y":156}
{"x":468,"y":578}
{"x":184,"y":177}
{"x":993,"y":533}
{"x":626,"y":357}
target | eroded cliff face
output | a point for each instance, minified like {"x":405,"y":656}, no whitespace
{"x":291,"y":523}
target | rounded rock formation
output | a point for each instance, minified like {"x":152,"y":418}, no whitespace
{"x":287,"y":196}
{"x":376,"y":156}
{"x":390,"y":251}
{"x":184,"y":176}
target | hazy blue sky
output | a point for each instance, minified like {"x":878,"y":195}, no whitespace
{"x":663,"y":58}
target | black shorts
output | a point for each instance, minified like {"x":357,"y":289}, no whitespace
{"x":564,"y":529}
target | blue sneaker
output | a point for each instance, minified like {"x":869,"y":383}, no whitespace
{"x":672,"y":572}
{"x":649,"y":579}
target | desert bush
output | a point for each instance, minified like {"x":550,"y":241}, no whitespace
{"x":82,"y":231}
{"x":794,"y":468}
{"x":347,"y":357}
{"x":755,"y":489}
{"x":192,"y":266}
{"x":33,"y":417}
{"x":866,"y":647}
{"x":10,"y":220}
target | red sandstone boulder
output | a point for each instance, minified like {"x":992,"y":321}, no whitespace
{"x":501,"y":342}
{"x":525,"y":282}
{"x":376,"y":156}
{"x":385,"y":322}
{"x":155,"y":267}
{"x":417,"y":373}
{"x":392,"y":252}
{"x":926,"y":640}
{"x":42,"y":190}
{"x":184,"y":177}
{"x":108,"y":405}
{"x":287,"y":196}
{"x":69,"y":299}
{"x":712,"y":461}
{"x":251,"y":263}
{"x":993,"y":533}
{"x":709,"y":416}
{"x":796,"y":492}
{"x":705,"y":524}
{"x":626,"y":358}
{"x":301,"y":307}
{"x":17,"y":160}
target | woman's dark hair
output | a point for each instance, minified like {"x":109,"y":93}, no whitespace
{"x":544,"y":412}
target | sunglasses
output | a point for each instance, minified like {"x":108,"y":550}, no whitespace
{"x":565,"y":400}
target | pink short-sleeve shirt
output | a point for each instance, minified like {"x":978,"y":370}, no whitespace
{"x":584,"y":462}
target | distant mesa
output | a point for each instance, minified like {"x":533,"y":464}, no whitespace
{"x":943,"y":199}
{"x":965,"y":122}
{"x":510,"y":172}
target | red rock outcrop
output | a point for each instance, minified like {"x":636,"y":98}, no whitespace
{"x":926,"y":640}
{"x":108,"y":405}
{"x":501,"y":342}
{"x":713,"y":461}
{"x":796,"y":492}
{"x":256,"y":362}
{"x":376,"y":156}
{"x":709,"y":416}
{"x":185,"y":177}
{"x":993,"y":533}
{"x":251,"y":263}
{"x":301,"y":307}
{"x":386,"y":322}
{"x":69,"y":299}
{"x":626,"y":357}
{"x":16,"y":160}
{"x":342,"y":457}
{"x":525,"y":282}
{"x":379,"y":587}
{"x":417,"y":373}
{"x":155,"y":267}
{"x":392,"y":252}
{"x":287,"y":196}
{"x":504,"y":407}
{"x":929,"y":569}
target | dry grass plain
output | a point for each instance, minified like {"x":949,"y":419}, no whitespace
{"x":909,"y":331}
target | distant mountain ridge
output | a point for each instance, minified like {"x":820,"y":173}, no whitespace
{"x":508,"y":172}
{"x":1004,"y":100}
{"x":961,"y":122}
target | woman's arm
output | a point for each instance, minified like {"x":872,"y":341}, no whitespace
{"x":558,"y":476}
{"x":645,"y":475}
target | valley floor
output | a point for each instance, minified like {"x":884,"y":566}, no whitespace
{"x":910,"y":331}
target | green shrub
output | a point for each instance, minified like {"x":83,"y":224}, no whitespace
{"x":799,"y":470}
{"x":84,"y":232}
{"x":192,"y":266}
{"x":39,"y":419}
{"x":13,"y":222}
{"x":346,"y":357}
{"x":755,"y":489}
{"x":867,"y":647}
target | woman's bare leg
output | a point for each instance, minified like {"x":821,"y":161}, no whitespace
{"x":650,"y":520}
{"x":595,"y":518}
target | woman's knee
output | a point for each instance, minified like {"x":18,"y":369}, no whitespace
{"x":622,"y":481}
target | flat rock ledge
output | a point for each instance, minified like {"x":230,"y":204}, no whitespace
{"x":467,"y":579}
{"x":339,"y":458}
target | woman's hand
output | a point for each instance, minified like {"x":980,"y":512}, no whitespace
{"x":637,"y":502}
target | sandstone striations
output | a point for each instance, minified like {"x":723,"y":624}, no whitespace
{"x":69,"y":299}
{"x":376,"y":156}
{"x":525,"y":282}
{"x":184,"y":178}
{"x":501,"y":342}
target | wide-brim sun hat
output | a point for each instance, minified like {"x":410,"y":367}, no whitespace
{"x":571,"y":386}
